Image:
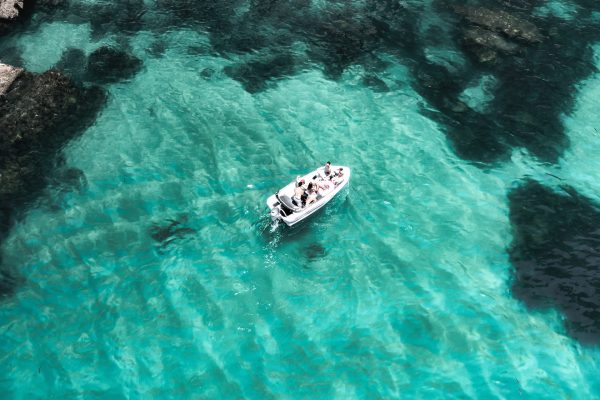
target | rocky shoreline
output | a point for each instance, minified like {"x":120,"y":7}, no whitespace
{"x":10,"y":12}
{"x":10,"y":9}
{"x":8,"y":74}
{"x":39,"y":113}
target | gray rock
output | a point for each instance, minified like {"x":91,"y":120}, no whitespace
{"x":10,"y":13}
{"x":485,"y":45}
{"x":487,"y":39}
{"x":501,"y":22}
{"x":10,"y":9}
{"x":8,"y":74}
{"x":39,"y":113}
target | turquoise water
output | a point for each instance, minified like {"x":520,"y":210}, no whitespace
{"x":399,"y":290}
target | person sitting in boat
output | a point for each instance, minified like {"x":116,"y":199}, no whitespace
{"x":311,"y":192}
{"x":299,"y":193}
{"x":311,"y":186}
{"x":322,"y":188}
{"x":327,"y":168}
{"x":338,"y":176}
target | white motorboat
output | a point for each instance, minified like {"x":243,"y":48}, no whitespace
{"x":291,"y":210}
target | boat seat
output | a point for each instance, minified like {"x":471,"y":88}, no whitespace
{"x":287,"y":202}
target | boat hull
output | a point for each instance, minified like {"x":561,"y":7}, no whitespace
{"x":273,"y":201}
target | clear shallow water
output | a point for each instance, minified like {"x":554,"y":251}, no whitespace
{"x":402,"y":289}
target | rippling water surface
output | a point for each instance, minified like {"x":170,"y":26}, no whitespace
{"x":163,"y":277}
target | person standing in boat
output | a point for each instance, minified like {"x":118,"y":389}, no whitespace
{"x":328,"y":168}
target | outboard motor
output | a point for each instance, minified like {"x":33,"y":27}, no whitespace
{"x":275,"y":214}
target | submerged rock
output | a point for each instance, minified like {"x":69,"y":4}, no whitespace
{"x":12,"y":56}
{"x":340,"y":38}
{"x":555,"y":253}
{"x":69,"y":179}
{"x":104,"y":65}
{"x":198,"y":49}
{"x":207,"y":73}
{"x":73,"y":63}
{"x":375,"y":83}
{"x":501,"y":22}
{"x":485,"y":44}
{"x":255,"y":74}
{"x":9,"y":280}
{"x":107,"y":65}
{"x":50,"y":4}
{"x":157,"y":48}
{"x":479,"y":93}
{"x":531,"y":97}
{"x":39,"y":113}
